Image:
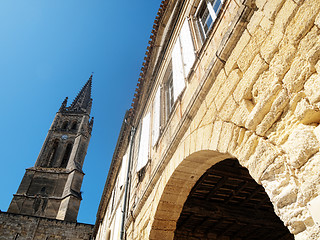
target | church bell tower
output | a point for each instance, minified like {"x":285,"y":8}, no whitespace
{"x":52,"y":187}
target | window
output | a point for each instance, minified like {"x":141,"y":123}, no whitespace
{"x":143,"y":155}
{"x":74,"y":126}
{"x":52,"y":154}
{"x":169,"y":99}
{"x":207,"y":14}
{"x":66,"y":156}
{"x":156,"y":117}
{"x":64,"y":125}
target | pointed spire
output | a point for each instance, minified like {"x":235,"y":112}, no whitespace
{"x":64,"y":104}
{"x":83,"y":101}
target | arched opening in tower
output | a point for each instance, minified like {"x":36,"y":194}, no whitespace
{"x":226,"y":203}
{"x":66,"y":156}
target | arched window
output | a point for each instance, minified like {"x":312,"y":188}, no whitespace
{"x":74,"y":126}
{"x":66,"y":156}
{"x":52,"y":154}
{"x":64,"y":125}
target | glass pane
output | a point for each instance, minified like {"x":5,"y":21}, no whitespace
{"x":216,"y":6}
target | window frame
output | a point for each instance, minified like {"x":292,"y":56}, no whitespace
{"x":209,"y":6}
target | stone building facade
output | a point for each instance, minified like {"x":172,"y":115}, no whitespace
{"x":47,"y":202}
{"x":222,"y":140}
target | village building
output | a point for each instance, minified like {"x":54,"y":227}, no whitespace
{"x":222,"y":140}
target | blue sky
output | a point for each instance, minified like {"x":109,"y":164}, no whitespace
{"x":48,"y":50}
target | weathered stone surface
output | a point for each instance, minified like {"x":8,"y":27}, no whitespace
{"x":301,"y":144}
{"x":244,"y":88}
{"x":276,"y":110}
{"x":307,"y":113}
{"x":285,"y":14}
{"x":251,"y":49}
{"x":262,"y":107}
{"x":303,"y":20}
{"x":37,"y":228}
{"x":255,"y":164}
{"x":282,"y":60}
{"x":227,"y":88}
{"x":271,"y":44}
{"x":271,"y":8}
{"x":231,"y":63}
{"x":298,"y":74}
{"x":242,"y":112}
{"x":309,"y":178}
{"x":254,"y":22}
{"x":312,"y":88}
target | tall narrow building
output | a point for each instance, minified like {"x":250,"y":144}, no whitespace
{"x":52,"y":188}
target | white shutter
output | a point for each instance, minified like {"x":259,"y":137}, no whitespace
{"x":188,"y":55}
{"x":123,"y":171}
{"x":156,"y":118}
{"x":177,"y":70}
{"x":144,"y":143}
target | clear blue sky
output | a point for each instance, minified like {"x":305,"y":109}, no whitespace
{"x":48,"y":50}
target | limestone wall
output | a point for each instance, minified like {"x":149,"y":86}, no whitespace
{"x":15,"y":226}
{"x":253,"y":95}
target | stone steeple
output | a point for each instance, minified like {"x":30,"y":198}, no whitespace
{"x":52,"y":187}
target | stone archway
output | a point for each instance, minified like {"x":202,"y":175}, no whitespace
{"x":180,"y":182}
{"x":226,"y":203}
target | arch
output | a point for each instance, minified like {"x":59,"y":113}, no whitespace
{"x":66,"y":156}
{"x":52,"y":154}
{"x":177,"y":189}
{"x":74,"y":126}
{"x":64,"y":125}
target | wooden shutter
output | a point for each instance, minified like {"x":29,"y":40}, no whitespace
{"x":144,"y":143}
{"x":156,"y":118}
{"x":177,"y":70}
{"x":188,"y":55}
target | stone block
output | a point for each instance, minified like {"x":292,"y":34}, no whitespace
{"x":254,"y":22}
{"x":246,"y":148}
{"x":285,"y":15}
{"x":271,"y":44}
{"x":228,"y":109}
{"x":240,"y":115}
{"x":263,"y":156}
{"x":282,"y":60}
{"x":309,"y":178}
{"x":307,"y":43}
{"x":216,"y":135}
{"x":262,"y":107}
{"x":237,"y":131}
{"x":260,"y":3}
{"x":276,"y":110}
{"x":307,"y":113}
{"x":251,"y":49}
{"x":302,"y":21}
{"x":212,"y":94}
{"x":317,"y":21}
{"x":301,"y":145}
{"x":266,"y":25}
{"x":231,"y":63}
{"x":225,"y":137}
{"x":227,"y":88}
{"x":298,"y":74}
{"x":244,"y":88}
{"x":271,"y":8}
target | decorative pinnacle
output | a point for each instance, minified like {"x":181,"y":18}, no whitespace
{"x":83,"y":100}
{"x":64,"y":104}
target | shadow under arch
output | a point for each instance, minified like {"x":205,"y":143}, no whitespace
{"x":181,"y":198}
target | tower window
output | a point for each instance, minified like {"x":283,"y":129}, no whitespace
{"x":66,"y":156}
{"x":74,"y":126}
{"x":64,"y":125}
{"x":52,"y":154}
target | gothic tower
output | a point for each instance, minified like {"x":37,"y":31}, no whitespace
{"x":51,"y":188}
